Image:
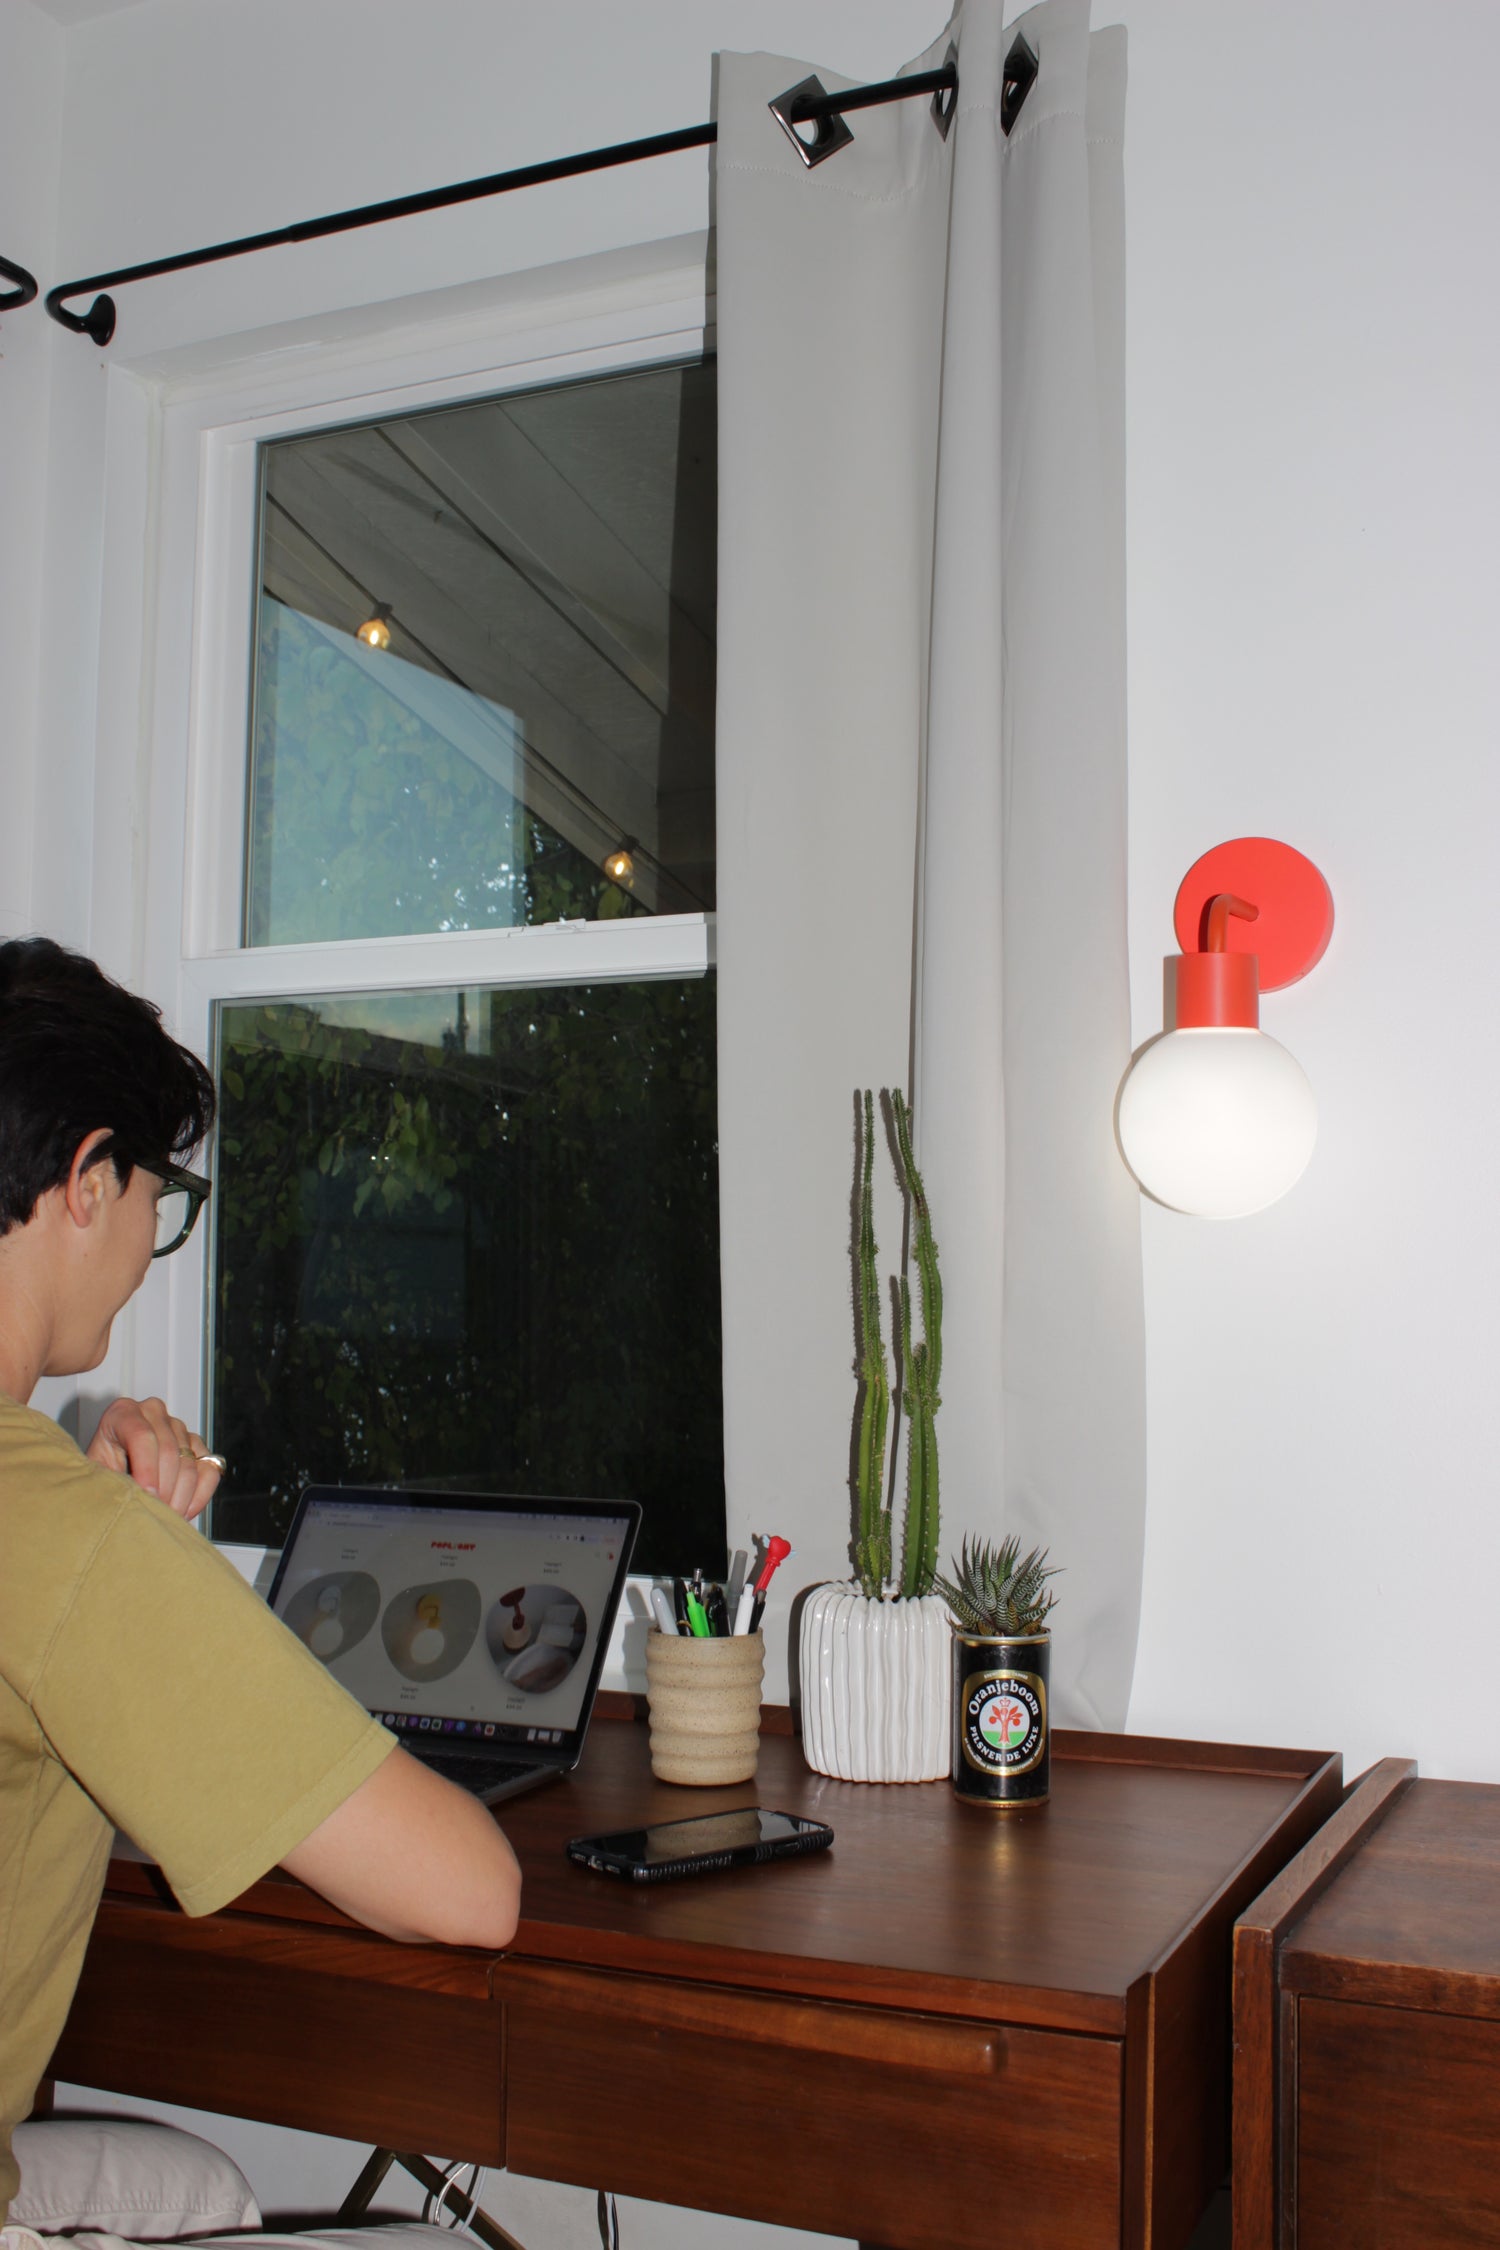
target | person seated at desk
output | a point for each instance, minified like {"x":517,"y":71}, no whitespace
{"x":142,"y":1684}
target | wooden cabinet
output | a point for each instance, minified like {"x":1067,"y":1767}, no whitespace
{"x":1398,"y":2120}
{"x":1367,"y":2028}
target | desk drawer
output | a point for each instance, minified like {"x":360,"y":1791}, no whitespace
{"x":1395,"y":2128}
{"x":337,"y":2033}
{"x":914,"y":2131}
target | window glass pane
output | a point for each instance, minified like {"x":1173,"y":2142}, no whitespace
{"x":535,"y":691}
{"x":471,"y":1239}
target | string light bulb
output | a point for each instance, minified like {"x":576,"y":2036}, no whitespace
{"x":619,"y":865}
{"x":375,"y":631}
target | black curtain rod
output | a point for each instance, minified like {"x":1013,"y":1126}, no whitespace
{"x":802,"y":106}
{"x":26,"y":286}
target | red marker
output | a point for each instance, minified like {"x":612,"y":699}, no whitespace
{"x":777,"y":1551}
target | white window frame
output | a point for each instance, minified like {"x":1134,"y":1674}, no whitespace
{"x":191,"y":757}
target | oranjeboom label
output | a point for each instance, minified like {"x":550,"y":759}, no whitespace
{"x":1004,"y":1721}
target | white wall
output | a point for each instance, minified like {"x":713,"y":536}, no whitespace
{"x":1314,"y":488}
{"x":1313,"y":339}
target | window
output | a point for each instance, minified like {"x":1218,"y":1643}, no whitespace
{"x":470,"y":1238}
{"x":486,"y":664}
{"x":465,"y":1227}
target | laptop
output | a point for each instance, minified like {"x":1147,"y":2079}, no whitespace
{"x":474,"y":1627}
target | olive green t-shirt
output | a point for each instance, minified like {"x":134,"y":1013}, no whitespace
{"x":143,"y":1686}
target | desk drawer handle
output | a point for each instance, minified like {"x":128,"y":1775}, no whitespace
{"x":915,"y":2043}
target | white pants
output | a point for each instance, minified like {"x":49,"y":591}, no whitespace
{"x":110,"y":2183}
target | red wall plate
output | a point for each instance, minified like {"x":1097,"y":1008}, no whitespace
{"x":1295,"y":922}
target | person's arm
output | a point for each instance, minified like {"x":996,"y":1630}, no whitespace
{"x":406,"y":1853}
{"x":216,"y":1739}
{"x":415,"y":1857}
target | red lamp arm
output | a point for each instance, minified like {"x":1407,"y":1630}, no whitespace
{"x":1216,"y":919}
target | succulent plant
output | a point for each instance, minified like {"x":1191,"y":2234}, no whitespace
{"x":997,"y":1592}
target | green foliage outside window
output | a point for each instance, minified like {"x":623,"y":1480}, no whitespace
{"x":472,"y":1240}
{"x":366,"y":821}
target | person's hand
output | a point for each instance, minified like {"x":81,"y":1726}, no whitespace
{"x":140,"y":1439}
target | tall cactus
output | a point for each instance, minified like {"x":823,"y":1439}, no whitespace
{"x":921,"y":1370}
{"x":921,"y":1366}
{"x":872,"y":1536}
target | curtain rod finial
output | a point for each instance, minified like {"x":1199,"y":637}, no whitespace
{"x":98,"y":323}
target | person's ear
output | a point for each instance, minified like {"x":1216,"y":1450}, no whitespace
{"x":85,"y":1189}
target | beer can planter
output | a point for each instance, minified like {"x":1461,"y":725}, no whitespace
{"x":1002,"y":1736}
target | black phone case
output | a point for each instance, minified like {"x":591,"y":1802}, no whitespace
{"x":705,"y":1863}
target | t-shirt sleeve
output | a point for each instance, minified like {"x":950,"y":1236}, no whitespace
{"x":194,"y":1719}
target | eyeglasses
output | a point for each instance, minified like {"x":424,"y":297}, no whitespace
{"x":182,"y":1197}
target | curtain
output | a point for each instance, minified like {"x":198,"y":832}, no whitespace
{"x":921,"y":744}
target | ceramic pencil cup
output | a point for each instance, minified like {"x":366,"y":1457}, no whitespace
{"x":704,"y":1702}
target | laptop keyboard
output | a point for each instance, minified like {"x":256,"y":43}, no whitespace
{"x":476,"y":1774}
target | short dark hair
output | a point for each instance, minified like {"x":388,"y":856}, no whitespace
{"x":78,"y":1051}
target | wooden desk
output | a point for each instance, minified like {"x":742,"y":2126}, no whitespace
{"x":956,"y":2026}
{"x":1367,"y":2028}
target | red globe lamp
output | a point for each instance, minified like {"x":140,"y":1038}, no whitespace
{"x":1215,"y":1118}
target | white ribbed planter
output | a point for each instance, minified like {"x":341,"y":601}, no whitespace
{"x":875,"y":1686}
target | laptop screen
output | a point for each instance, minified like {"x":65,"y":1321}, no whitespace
{"x":480,"y":1619}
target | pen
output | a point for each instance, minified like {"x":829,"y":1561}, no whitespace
{"x":734,"y":1584}
{"x":745,"y":1610}
{"x":718,"y":1610}
{"x":679,"y":1604}
{"x":663,"y":1609}
{"x":697,"y":1621}
{"x":777,"y":1551}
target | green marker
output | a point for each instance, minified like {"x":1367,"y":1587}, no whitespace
{"x":698,"y":1617}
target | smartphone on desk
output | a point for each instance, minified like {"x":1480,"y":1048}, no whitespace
{"x":701,"y":1846}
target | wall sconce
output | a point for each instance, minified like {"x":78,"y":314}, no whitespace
{"x":1214,"y":1118}
{"x":619,"y":864}
{"x":376,"y":630}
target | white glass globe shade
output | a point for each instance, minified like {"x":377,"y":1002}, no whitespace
{"x":1217,"y":1122}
